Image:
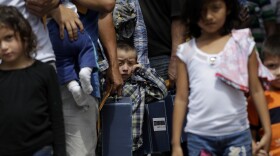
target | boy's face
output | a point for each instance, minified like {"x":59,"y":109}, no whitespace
{"x":273,"y":64}
{"x":126,"y":61}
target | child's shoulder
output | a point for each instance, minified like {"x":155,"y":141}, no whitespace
{"x":186,"y":50}
{"x":241,"y":33}
{"x":43,"y":66}
{"x":186,"y":46}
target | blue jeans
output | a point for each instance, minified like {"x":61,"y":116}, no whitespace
{"x":45,"y":151}
{"x":160,"y":63}
{"x":237,"y":144}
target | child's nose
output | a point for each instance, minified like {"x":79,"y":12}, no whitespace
{"x":208,"y":15}
{"x":277,"y":72}
{"x":125,"y":67}
{"x":3,"y":46}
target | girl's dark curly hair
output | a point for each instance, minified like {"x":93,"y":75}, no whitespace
{"x":192,"y":11}
{"x":10,"y":17}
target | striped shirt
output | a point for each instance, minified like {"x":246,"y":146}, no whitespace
{"x":273,"y":103}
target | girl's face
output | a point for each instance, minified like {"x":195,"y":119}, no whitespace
{"x":213,"y":16}
{"x":11,"y":46}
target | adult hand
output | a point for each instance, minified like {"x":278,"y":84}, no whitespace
{"x":67,"y":18}
{"x":172,"y":70}
{"x":115,"y":79}
{"x":244,"y":13}
{"x":41,"y":7}
{"x":245,"y":17}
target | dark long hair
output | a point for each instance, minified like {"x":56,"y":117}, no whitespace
{"x":10,"y":17}
{"x":192,"y":11}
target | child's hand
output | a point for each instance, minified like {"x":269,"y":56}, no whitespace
{"x":136,"y":66}
{"x":262,"y":153}
{"x":263,"y":146}
{"x":177,"y":150}
{"x":67,"y":18}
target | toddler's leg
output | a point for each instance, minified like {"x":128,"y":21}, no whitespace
{"x":85,"y":76}
{"x":78,"y":94}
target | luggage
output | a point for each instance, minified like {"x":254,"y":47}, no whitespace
{"x":116,"y":117}
{"x":155,"y":128}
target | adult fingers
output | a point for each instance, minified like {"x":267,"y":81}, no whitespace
{"x":74,"y":30}
{"x":61,"y":31}
{"x":79,"y":24}
{"x":69,"y":31}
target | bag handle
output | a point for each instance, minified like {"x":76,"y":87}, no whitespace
{"x":104,"y":99}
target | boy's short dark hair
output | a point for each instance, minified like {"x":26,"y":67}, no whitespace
{"x":124,"y":45}
{"x":271,"y":46}
{"x":10,"y":17}
{"x":191,"y":15}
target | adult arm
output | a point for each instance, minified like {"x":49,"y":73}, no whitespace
{"x":105,"y":6}
{"x":180,"y":108}
{"x":107,"y":36}
{"x":178,"y":37}
{"x":41,"y":7}
{"x":257,"y":94}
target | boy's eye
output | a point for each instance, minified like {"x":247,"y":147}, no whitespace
{"x":271,"y":66}
{"x":120,"y":63}
{"x":131,"y":63}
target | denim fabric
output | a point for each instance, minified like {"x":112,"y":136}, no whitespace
{"x":141,"y":38}
{"x":160,"y":63}
{"x":237,"y":144}
{"x":45,"y":151}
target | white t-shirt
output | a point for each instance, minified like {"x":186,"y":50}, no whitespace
{"x":45,"y":51}
{"x":214,"y":108}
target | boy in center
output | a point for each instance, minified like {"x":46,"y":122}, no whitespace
{"x":142,"y":85}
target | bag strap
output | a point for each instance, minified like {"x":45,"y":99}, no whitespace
{"x":104,"y":99}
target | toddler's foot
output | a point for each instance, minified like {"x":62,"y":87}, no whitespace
{"x":78,"y":94}
{"x":85,"y":77}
